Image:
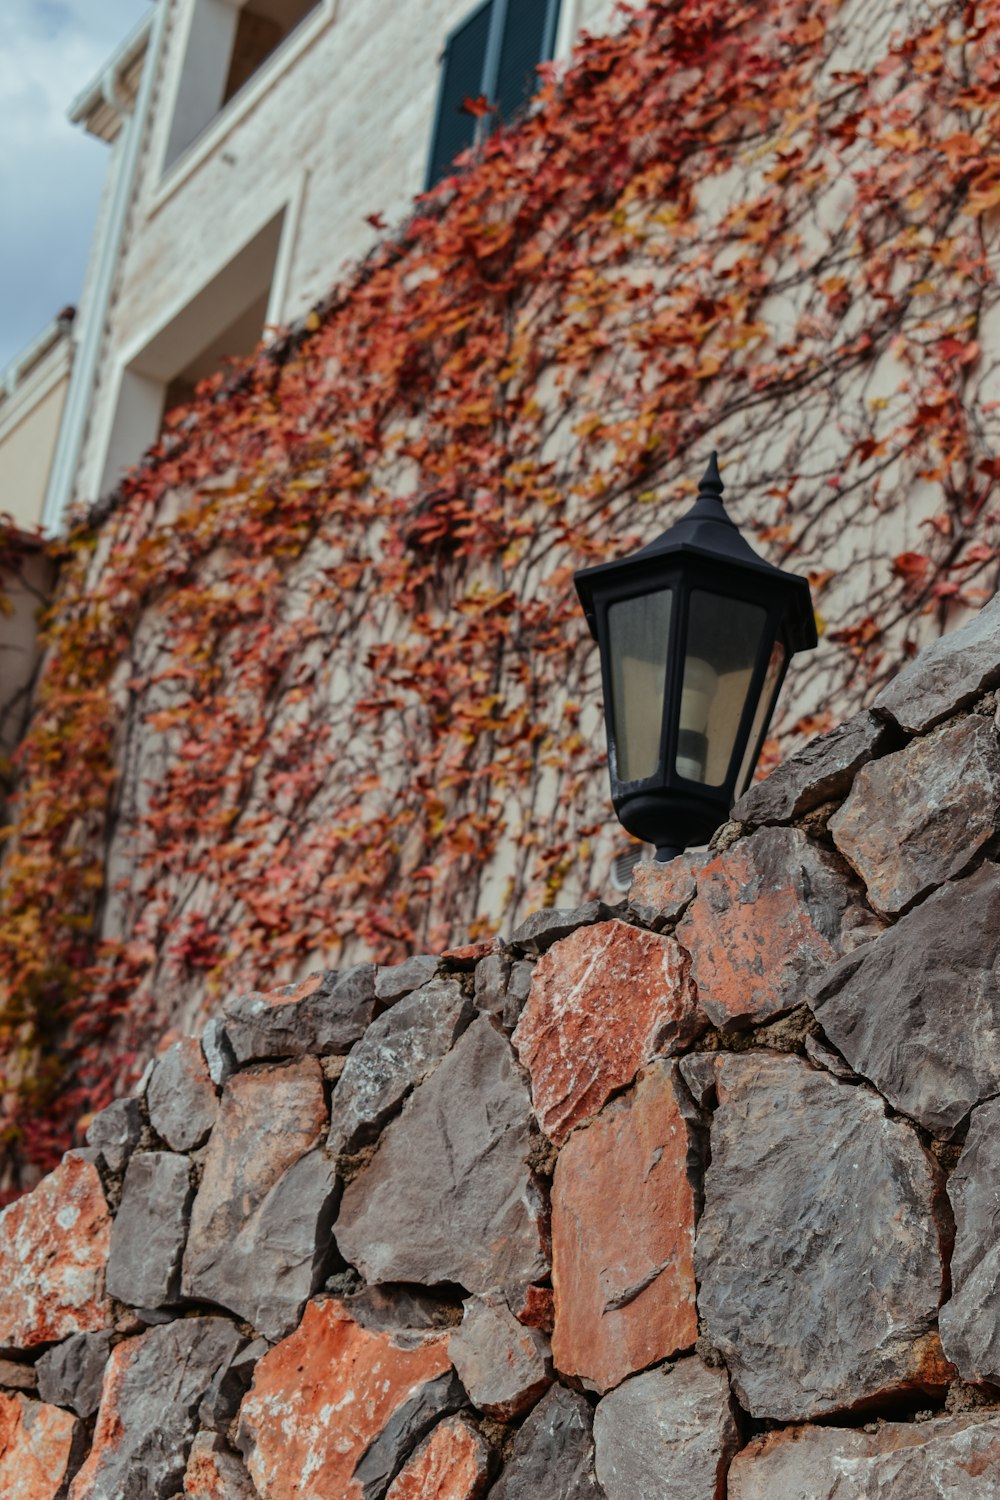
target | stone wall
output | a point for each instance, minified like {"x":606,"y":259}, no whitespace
{"x":692,"y":1197}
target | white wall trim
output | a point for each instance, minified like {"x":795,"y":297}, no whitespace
{"x":278,"y":298}
{"x":567,"y":30}
{"x":285,"y":55}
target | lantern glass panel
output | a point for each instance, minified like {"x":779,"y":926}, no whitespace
{"x":722,"y":643}
{"x":638,"y":642}
{"x":769,"y":692}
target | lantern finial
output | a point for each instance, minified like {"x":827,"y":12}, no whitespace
{"x":711,"y":486}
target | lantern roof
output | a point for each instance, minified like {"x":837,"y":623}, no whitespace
{"x":707,"y":532}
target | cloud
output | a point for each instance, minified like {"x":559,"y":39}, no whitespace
{"x":51,"y":173}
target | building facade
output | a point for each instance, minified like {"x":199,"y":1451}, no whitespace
{"x":256,"y":149}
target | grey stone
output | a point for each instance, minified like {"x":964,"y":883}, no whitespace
{"x":181,"y":1097}
{"x":699,"y":1070}
{"x":259,"y":1229}
{"x":492,"y":974}
{"x":17,"y":1377}
{"x":821,"y":771}
{"x":552,"y":1457}
{"x":970,"y":1331}
{"x":917,"y":818}
{"x":326,"y":1013}
{"x":398,"y":1051}
{"x":218,"y":1049}
{"x":214,"y":1469}
{"x":917,"y":1010}
{"x":670,"y":1431}
{"x":393,"y":981}
{"x":504,"y":1366}
{"x":543,"y":928}
{"x":71,"y":1373}
{"x":149,"y":1231}
{"x":819,"y":1253}
{"x":449,"y":1177}
{"x":825,"y":1057}
{"x":281,"y":1252}
{"x":149,"y":1409}
{"x":948,"y":675}
{"x":398,"y":1309}
{"x":385,"y":1456}
{"x":230,"y":1385}
{"x":947,"y":1458}
{"x":115,"y":1132}
{"x":518,"y":990}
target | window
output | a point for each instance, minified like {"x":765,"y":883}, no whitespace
{"x":226,"y":45}
{"x":493,"y":52}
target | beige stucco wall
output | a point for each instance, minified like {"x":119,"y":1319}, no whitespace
{"x":29,"y":423}
{"x":335,"y":126}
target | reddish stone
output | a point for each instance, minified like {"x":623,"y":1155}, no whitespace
{"x":659,"y":892}
{"x":623,"y":1220}
{"x":38,"y":1448}
{"x":322,"y":1395}
{"x":535,"y":1308}
{"x":54,"y":1247}
{"x":452,"y":1464}
{"x":603,"y":1002}
{"x":469,"y":954}
{"x":772,"y":913}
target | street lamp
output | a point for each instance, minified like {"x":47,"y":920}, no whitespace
{"x":695,"y":633}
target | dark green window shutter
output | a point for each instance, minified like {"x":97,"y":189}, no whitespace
{"x":528,"y":37}
{"x":461,"y":79}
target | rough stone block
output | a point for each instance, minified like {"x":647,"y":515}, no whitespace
{"x":215,"y":1473}
{"x":771,"y":915}
{"x":450,"y":1177}
{"x":260,"y":1222}
{"x":661,"y":893}
{"x":17,"y":1377}
{"x":821,"y":771}
{"x":953,"y":1457}
{"x":504,"y":1366}
{"x":492,"y":974}
{"x":115,"y":1132}
{"x":323,"y":1395}
{"x":917,"y":818}
{"x":917,"y":1011}
{"x":398,"y":1051}
{"x":386,"y":1454}
{"x":325,"y":1014}
{"x":54,"y":1247}
{"x":603,"y":1002}
{"x":669,"y":1432}
{"x":625,"y":1297}
{"x":393,"y":981}
{"x":820,"y":1249}
{"x":552,"y":1457}
{"x":181,"y":1096}
{"x":40,"y":1447}
{"x":148,"y":1413}
{"x":230,"y":1384}
{"x":518,"y":989}
{"x":970,"y":1331}
{"x":452,"y":1464}
{"x":543,"y":928}
{"x":71,"y":1373}
{"x":147,"y":1240}
{"x":948,"y":675}
{"x":220,"y":1059}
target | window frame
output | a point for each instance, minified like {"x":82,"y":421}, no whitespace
{"x":488,"y":77}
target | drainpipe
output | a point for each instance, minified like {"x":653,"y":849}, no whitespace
{"x":94,"y":312}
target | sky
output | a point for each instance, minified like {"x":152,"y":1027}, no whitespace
{"x":51,"y":172}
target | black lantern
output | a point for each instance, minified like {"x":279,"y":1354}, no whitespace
{"x":695,"y":633}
